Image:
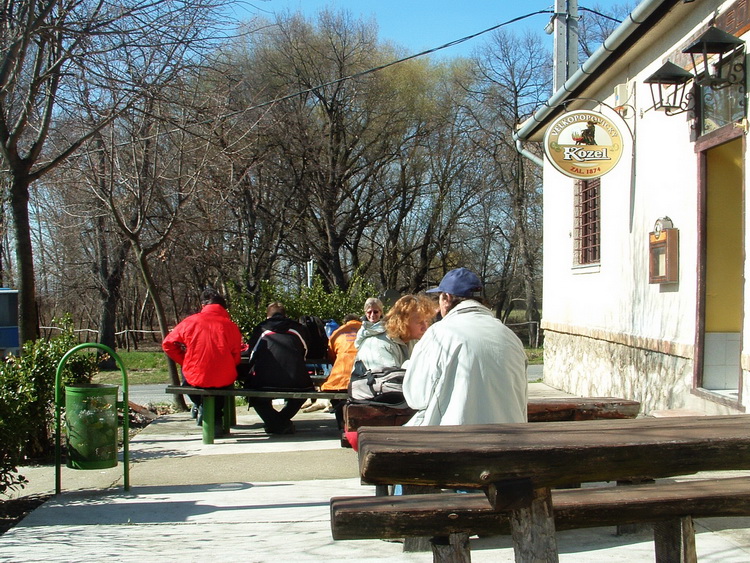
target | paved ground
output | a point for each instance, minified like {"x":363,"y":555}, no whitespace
{"x":250,"y":497}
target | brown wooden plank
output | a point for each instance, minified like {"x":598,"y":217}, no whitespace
{"x":280,"y":394}
{"x":540,"y":409}
{"x":421,"y":543}
{"x":414,"y":515}
{"x":356,"y":415}
{"x":551,"y":409}
{"x":443,"y":514}
{"x":553,"y":453}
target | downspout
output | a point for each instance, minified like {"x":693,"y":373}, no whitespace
{"x":525,"y":153}
{"x":611,"y":43}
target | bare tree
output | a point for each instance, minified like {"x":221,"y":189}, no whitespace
{"x":512,"y":80}
{"x":154,"y":164}
{"x":335,"y":140}
{"x":596,"y":24}
{"x":60,"y":57}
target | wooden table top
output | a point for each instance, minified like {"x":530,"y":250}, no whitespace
{"x":550,"y":454}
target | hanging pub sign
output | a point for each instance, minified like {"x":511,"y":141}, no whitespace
{"x":583,"y":144}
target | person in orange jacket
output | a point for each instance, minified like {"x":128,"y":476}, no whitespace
{"x":341,"y":354}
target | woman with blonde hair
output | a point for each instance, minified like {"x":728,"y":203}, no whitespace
{"x":389,"y":344}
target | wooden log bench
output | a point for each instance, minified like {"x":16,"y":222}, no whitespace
{"x":450,"y":518}
{"x":517,"y":466}
{"x":540,"y":409}
{"x":209,"y":402}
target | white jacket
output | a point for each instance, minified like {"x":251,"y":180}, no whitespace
{"x":377,"y":350}
{"x":468,"y":368}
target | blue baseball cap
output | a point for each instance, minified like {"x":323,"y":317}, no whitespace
{"x":460,"y":282}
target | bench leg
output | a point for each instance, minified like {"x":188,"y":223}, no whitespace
{"x":381,"y":490}
{"x":418,"y":543}
{"x":674,"y":541}
{"x":209,"y":419}
{"x":451,"y":549}
{"x":533,"y":530}
{"x":226,"y":418}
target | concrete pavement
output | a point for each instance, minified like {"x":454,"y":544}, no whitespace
{"x":250,"y":497}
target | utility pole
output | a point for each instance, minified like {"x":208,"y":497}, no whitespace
{"x":565,"y":30}
{"x":310,"y":272}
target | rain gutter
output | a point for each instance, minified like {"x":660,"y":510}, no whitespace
{"x":619,"y":36}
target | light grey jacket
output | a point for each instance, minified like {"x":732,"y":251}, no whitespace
{"x":468,"y":368}
{"x":377,"y":350}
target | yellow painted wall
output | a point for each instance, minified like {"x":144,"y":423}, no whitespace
{"x":724,"y":252}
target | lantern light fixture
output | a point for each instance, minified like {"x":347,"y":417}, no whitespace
{"x":668,"y":85}
{"x":730,"y":66}
{"x":718,"y":60}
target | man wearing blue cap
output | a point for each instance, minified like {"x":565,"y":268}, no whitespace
{"x":469,"y":368}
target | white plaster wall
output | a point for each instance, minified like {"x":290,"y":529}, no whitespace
{"x":616,"y":295}
{"x":615,"y":298}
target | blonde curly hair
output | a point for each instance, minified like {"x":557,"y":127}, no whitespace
{"x":396,"y":320}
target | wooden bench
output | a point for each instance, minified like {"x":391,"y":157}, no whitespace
{"x":449,"y":518}
{"x":540,"y":409}
{"x":209,"y":402}
{"x":518,"y":465}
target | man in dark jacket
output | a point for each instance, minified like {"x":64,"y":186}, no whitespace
{"x":278,"y":347}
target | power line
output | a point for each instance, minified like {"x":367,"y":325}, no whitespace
{"x":375,"y":69}
{"x":392,"y":63}
{"x":605,"y":16}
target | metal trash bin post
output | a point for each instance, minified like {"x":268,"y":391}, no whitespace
{"x":91,"y":421}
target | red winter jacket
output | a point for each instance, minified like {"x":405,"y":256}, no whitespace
{"x":207,"y":346}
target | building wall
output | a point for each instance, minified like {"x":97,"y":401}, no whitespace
{"x":592,"y":367}
{"x":607,"y":330}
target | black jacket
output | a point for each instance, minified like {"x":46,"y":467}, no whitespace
{"x":277,"y":355}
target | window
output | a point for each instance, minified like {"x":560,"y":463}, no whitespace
{"x":723,"y":103}
{"x":721,"y":107}
{"x":587,"y":222}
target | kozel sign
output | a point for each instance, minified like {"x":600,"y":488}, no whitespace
{"x":583,"y":144}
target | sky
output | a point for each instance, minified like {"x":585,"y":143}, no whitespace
{"x":419,"y":25}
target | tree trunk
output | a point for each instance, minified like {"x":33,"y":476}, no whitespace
{"x":110,"y":295}
{"x":527,"y":260}
{"x":28,"y":326}
{"x":142,"y":260}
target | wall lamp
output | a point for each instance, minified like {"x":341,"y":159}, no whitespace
{"x":668,"y":86}
{"x":729,"y":69}
{"x":669,"y":83}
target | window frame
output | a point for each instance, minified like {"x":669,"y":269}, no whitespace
{"x":587,"y":222}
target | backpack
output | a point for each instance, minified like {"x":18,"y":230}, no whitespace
{"x":317,"y":346}
{"x":379,"y":387}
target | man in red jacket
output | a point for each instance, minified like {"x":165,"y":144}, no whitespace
{"x":207,"y":345}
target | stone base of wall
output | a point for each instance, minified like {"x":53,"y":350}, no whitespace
{"x":597,"y":368}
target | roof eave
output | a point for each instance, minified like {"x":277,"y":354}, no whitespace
{"x":642,"y":19}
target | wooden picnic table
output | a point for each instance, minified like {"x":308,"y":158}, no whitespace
{"x":517,"y":464}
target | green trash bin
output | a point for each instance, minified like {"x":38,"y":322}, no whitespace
{"x":91,"y":424}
